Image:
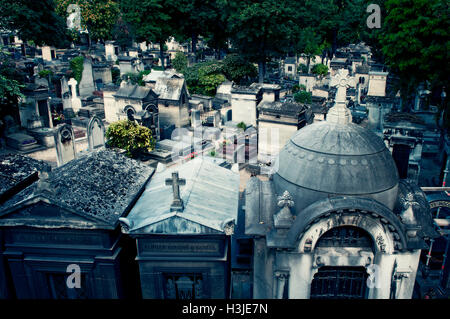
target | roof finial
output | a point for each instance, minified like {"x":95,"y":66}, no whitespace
{"x":339,"y":113}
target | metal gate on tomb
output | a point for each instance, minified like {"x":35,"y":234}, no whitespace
{"x":342,"y":282}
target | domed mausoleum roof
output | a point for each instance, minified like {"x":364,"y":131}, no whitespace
{"x":336,"y":157}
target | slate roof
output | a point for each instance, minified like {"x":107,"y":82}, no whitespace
{"x":16,"y":169}
{"x":129,"y":91}
{"x":169,"y":88}
{"x":210,"y":199}
{"x":102,"y":186}
{"x":290,"y":60}
{"x":286,"y":108}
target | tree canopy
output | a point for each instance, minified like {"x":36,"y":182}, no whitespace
{"x":34,"y":20}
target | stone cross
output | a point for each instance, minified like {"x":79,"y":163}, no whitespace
{"x":177,"y":204}
{"x":73,"y":86}
{"x":339,"y":113}
{"x":342,"y":81}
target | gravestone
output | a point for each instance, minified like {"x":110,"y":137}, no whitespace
{"x":87,"y":79}
{"x":95,"y":133}
{"x":65,"y":144}
{"x":217,"y":119}
{"x":76,"y":102}
{"x":46,"y":53}
{"x":195,"y":118}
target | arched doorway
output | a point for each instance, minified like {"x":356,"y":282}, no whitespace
{"x":348,"y":281}
{"x":130,"y":112}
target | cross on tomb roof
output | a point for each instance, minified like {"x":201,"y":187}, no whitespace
{"x":176,"y":182}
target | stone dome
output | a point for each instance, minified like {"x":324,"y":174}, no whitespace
{"x":331,"y":159}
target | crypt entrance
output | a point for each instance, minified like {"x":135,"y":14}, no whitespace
{"x":342,"y":281}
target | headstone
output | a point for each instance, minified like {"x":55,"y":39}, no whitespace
{"x":195,"y":118}
{"x":65,"y":144}
{"x":76,"y":102}
{"x":95,"y":133}
{"x":87,"y":80}
{"x":46,"y":53}
{"x":217,"y":119}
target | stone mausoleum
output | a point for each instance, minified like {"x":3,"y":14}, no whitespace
{"x":334,"y":220}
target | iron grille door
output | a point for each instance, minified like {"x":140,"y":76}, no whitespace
{"x":339,"y":283}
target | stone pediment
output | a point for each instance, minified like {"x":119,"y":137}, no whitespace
{"x":39,"y":212}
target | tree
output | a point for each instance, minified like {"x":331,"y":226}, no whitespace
{"x":34,"y":20}
{"x":123,"y":33}
{"x":414,"y":40}
{"x":261,"y":29}
{"x":191,"y":19}
{"x":238,"y":69}
{"x":77,"y":66}
{"x":151,"y":20}
{"x":180,"y":62}
{"x":320,"y":69}
{"x":10,"y":85}
{"x":98,"y":17}
{"x":130,"y":136}
{"x":204,"y":78}
{"x":303,"y":97}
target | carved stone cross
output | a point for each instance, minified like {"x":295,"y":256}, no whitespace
{"x":342,"y":81}
{"x":73,"y":86}
{"x":177,"y":204}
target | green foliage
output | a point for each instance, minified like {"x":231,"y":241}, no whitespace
{"x":45,"y":73}
{"x":115,"y":74}
{"x":10,"y":85}
{"x":242,"y":126}
{"x":238,"y":69}
{"x":152,"y":20}
{"x":298,"y":87}
{"x":320,"y":69}
{"x":157,"y":68}
{"x":180,"y":62}
{"x":76,"y":65}
{"x":136,"y":78}
{"x":302,"y":68}
{"x":98,"y":17}
{"x":34,"y":20}
{"x":130,"y":136}
{"x":415,"y":42}
{"x":204,"y":78}
{"x":260,"y":30}
{"x":303,"y":97}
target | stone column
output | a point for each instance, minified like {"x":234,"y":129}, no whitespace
{"x":301,"y":274}
{"x":281,"y":280}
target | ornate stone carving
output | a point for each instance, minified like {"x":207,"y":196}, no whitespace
{"x":283,"y":219}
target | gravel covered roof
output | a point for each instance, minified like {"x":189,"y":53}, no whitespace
{"x":15,"y":168}
{"x":102,"y":184}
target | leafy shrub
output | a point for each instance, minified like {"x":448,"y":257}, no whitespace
{"x":242,"y":126}
{"x":303,"y":97}
{"x":45,"y":73}
{"x":130,"y":136}
{"x":237,"y":69}
{"x":180,"y":62}
{"x":204,"y":78}
{"x":302,"y":68}
{"x":76,"y":64}
{"x":320,"y":69}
